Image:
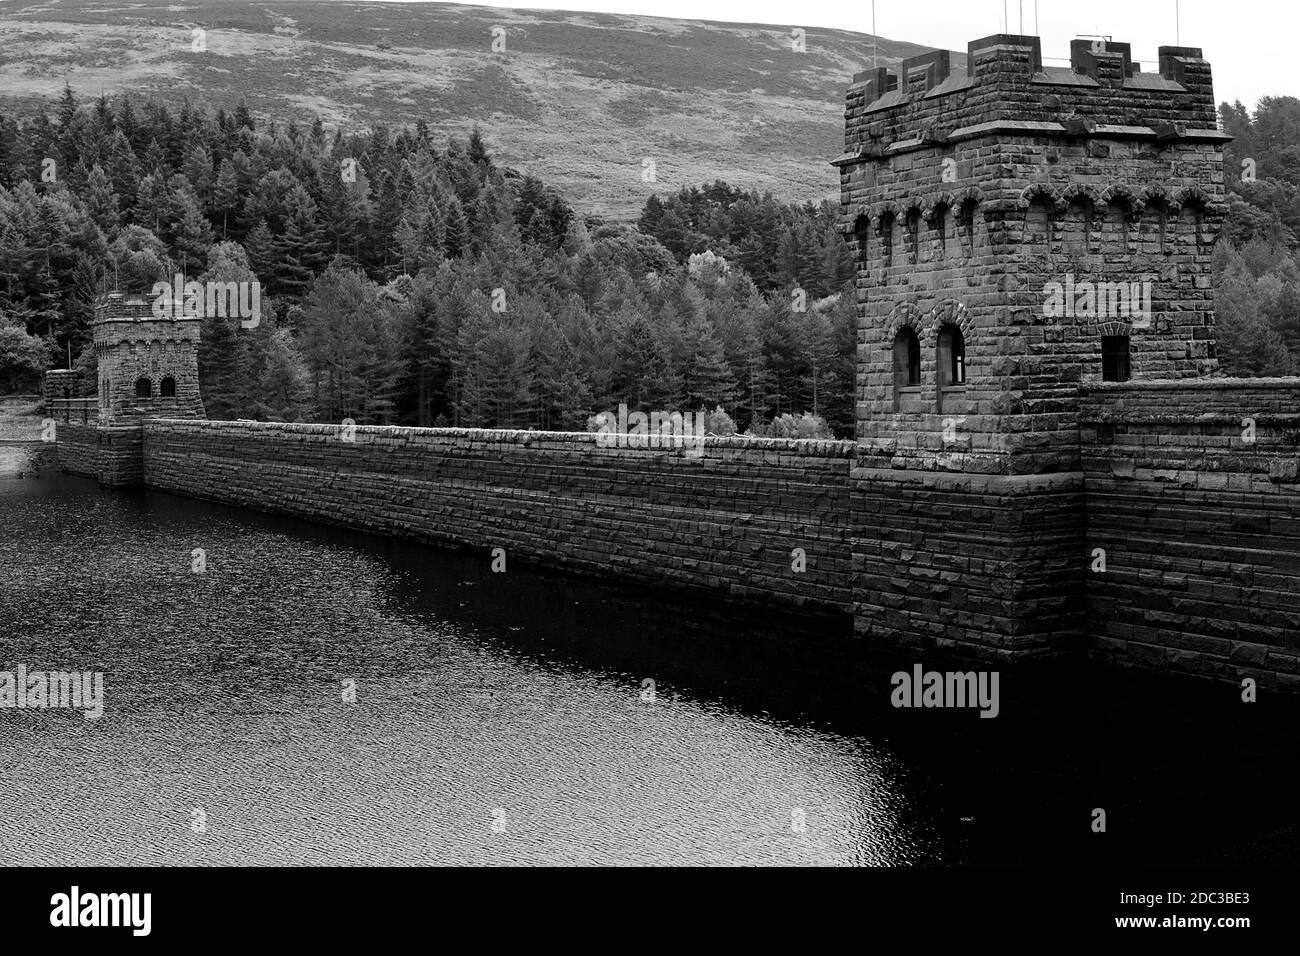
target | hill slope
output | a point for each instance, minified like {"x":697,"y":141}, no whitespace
{"x":582,"y":100}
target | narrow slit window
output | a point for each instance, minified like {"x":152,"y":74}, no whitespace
{"x":1038,"y":225}
{"x":862,"y":233}
{"x":1115,"y":358}
{"x":966,"y":226}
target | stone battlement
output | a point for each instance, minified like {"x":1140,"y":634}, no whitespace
{"x":1006,"y":87}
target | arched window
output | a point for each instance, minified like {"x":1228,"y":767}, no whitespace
{"x":143,"y":388}
{"x":887,"y":238}
{"x":1196,"y":212}
{"x":907,"y":363}
{"x":914,"y":236}
{"x":67,"y":393}
{"x":1078,"y":226}
{"x":1119,"y":215}
{"x":951,"y":361}
{"x":939,"y":219}
{"x":167,"y":389}
{"x":862,"y":233}
{"x":1038,"y":225}
{"x":966,"y":226}
{"x":1115,"y":361}
{"x":1156,"y":224}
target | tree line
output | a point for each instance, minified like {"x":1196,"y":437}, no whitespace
{"x":407,"y":281}
{"x":1256,"y":267}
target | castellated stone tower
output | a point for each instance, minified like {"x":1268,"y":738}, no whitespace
{"x":1020,"y":232}
{"x":148,"y":366}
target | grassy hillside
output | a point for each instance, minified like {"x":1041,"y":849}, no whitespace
{"x":580,"y":99}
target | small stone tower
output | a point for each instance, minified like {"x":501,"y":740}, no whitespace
{"x":148,"y":365}
{"x":1019,"y":231}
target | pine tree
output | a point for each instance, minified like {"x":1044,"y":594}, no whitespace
{"x":284,"y":387}
{"x":102,"y":202}
{"x":225,"y":195}
{"x":67,"y":108}
{"x":191,"y":233}
{"x":260,"y":245}
{"x":290,"y":270}
{"x":643,"y":374}
{"x":707,"y":381}
{"x":456,"y":228}
{"x":198,"y":170}
{"x":44,"y":312}
{"x":150,"y":204}
{"x":123,"y":168}
{"x":478,"y":152}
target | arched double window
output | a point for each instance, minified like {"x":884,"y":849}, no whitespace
{"x":143,"y":388}
{"x":907,"y":363}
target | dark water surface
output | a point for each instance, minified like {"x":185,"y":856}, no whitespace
{"x":499,"y":718}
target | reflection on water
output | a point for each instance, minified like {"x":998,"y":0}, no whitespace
{"x":503,"y":718}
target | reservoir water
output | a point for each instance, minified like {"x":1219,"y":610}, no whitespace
{"x":532,"y":718}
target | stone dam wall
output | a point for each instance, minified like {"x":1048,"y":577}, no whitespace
{"x":725,"y":523}
{"x":111,"y":454}
{"x":1190,"y":487}
{"x":1193,"y":493}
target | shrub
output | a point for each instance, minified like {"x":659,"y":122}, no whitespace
{"x":796,"y":426}
{"x":719,"y":423}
